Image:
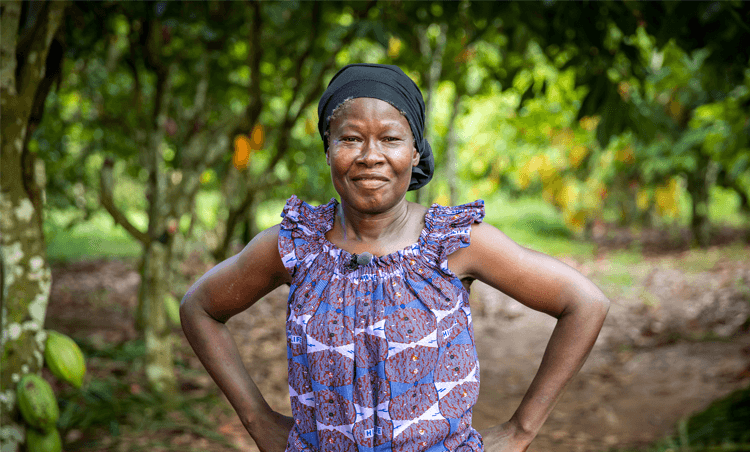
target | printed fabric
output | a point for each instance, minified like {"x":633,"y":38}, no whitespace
{"x":381,"y":356}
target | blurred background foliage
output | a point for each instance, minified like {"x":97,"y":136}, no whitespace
{"x":190,"y":123}
{"x":608,"y":112}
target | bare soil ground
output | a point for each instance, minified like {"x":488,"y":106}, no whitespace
{"x":676,"y":338}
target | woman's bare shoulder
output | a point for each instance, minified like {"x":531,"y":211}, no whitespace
{"x":535,"y":279}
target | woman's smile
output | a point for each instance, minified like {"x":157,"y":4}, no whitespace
{"x":370,"y":180}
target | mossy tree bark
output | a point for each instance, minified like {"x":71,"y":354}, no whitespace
{"x":27,"y":33}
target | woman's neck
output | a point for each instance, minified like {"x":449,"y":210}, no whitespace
{"x":361,"y":227}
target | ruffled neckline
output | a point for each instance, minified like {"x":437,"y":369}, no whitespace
{"x":446,"y":228}
{"x":386,"y":259}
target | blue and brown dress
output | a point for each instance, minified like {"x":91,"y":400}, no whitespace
{"x":381,"y":356}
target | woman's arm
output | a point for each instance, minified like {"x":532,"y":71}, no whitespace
{"x":227,"y":289}
{"x":547,"y":285}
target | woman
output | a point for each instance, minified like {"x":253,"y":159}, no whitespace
{"x":379,"y":337}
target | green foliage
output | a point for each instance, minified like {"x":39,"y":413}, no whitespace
{"x":98,"y":237}
{"x":535,"y":224}
{"x":110,"y":403}
{"x":544,"y":103}
{"x":722,"y":427}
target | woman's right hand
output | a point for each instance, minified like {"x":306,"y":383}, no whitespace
{"x":271,"y":431}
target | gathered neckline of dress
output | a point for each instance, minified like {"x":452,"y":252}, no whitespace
{"x":333,"y":203}
{"x":445,"y":229}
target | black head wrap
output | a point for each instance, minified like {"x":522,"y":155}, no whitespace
{"x":390,"y":84}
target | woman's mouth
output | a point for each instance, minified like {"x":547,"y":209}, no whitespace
{"x":370,"y":181}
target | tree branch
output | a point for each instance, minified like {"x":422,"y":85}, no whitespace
{"x":255,"y":55}
{"x":31,"y":69}
{"x":33,"y":22}
{"x":107,"y":200}
{"x":314,"y":92}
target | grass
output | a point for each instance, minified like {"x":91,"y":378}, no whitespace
{"x":530,"y":222}
{"x":701,"y":260}
{"x":533,"y":223}
{"x":97,"y":238}
{"x":100,"y":237}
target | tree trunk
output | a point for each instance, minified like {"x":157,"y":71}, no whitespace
{"x":26,"y":277}
{"x":236,"y":216}
{"x":450,"y":149}
{"x":698,"y":187}
{"x":157,"y":333}
{"x":156,"y":270}
{"x":251,"y":226}
{"x":433,"y":78}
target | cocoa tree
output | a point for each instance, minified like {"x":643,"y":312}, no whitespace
{"x":28,"y":32}
{"x":163,"y":101}
{"x":617,"y":45}
{"x":440,"y":44}
{"x":312,"y":53}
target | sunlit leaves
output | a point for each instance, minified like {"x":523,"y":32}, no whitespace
{"x":208,"y":176}
{"x":576,"y":154}
{"x":394,"y":47}
{"x":523,"y":79}
{"x":240,"y":76}
{"x":70,"y":105}
{"x":666,"y":197}
{"x":239,"y":50}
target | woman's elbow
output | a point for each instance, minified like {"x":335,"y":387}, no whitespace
{"x":190,"y":308}
{"x":592,"y":305}
{"x":601,"y":307}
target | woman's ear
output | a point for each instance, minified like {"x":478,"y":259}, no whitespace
{"x":415,"y":158}
{"x":328,"y":158}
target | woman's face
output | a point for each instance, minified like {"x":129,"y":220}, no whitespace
{"x":371,"y":153}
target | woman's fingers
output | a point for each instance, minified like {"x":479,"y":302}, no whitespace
{"x":503,"y":438}
{"x":271,"y":433}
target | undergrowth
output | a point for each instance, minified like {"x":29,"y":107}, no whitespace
{"x":114,"y":401}
{"x":722,"y":427}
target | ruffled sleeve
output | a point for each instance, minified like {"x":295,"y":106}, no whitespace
{"x":302,"y":229}
{"x":448,"y":229}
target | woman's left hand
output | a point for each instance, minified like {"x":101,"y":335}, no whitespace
{"x":505,"y":437}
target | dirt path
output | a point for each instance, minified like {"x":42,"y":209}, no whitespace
{"x":676,"y":338}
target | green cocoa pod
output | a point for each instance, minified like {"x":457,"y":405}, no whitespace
{"x":37,"y":441}
{"x":64,"y":358}
{"x":37,"y":402}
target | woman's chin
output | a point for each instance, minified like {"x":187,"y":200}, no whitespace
{"x":372,"y":204}
{"x":373,"y":196}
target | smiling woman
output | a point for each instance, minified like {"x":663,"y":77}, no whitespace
{"x":380,"y":342}
{"x":371,"y":156}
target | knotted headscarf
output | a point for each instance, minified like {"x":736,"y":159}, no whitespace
{"x":387,"y":83}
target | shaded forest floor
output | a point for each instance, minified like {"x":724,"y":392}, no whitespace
{"x":676,"y":338}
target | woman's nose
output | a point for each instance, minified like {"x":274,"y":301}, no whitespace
{"x":370,"y":153}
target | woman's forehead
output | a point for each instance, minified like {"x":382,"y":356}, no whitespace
{"x":369,"y":103}
{"x":368,"y":109}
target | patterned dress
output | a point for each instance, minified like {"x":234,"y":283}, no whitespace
{"x":381,"y":356}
